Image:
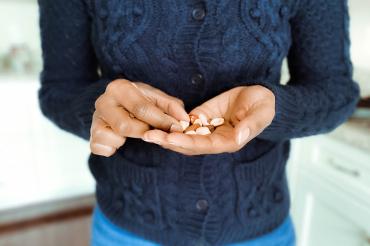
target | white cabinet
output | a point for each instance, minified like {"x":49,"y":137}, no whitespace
{"x":330,"y":193}
{"x":40,"y":162}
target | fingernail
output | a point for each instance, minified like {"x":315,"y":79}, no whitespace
{"x":243,"y":136}
{"x":102,"y":146}
{"x":175,"y":144}
{"x":146,"y":138}
{"x":151,"y":141}
{"x":176,"y":128}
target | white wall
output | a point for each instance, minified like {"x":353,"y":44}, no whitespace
{"x":19,"y":24}
{"x":360,"y":32}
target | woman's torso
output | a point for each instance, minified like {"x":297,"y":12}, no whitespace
{"x":182,"y":200}
{"x":167,"y":43}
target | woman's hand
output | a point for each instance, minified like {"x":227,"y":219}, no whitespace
{"x":128,"y":109}
{"x":247,"y":111}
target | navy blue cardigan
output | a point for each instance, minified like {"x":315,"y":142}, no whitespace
{"x":167,"y":197}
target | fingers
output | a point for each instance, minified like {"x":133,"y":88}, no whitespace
{"x":217,"y":106}
{"x":120,"y":120}
{"x":249,"y":124}
{"x":169,"y":104}
{"x":223,"y":139}
{"x":140,"y":105}
{"x":220,"y":141}
{"x":103,"y":141}
{"x":247,"y":111}
{"x":160,"y":137}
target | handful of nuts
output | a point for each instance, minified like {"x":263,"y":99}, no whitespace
{"x":200,"y":125}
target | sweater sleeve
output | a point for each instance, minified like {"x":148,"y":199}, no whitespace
{"x":70,"y":83}
{"x":320,"y":94}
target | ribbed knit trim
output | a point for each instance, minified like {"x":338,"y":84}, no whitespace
{"x":193,"y":225}
{"x":289,"y":114}
{"x":262,"y":166}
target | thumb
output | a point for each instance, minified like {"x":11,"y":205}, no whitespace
{"x":242,"y":132}
{"x":249,"y":123}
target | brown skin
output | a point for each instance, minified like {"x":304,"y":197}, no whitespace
{"x":128,"y":109}
{"x":247,"y":111}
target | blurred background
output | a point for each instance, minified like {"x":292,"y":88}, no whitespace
{"x":46,"y":189}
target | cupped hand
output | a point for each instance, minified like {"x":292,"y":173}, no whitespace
{"x":247,"y":111}
{"x":129,"y":109}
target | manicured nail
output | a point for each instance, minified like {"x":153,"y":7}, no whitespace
{"x":175,"y":144}
{"x":152,"y":141}
{"x":243,"y":136}
{"x":176,"y":128}
{"x":147,"y":139}
{"x":105,"y":147}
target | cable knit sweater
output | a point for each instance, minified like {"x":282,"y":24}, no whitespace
{"x":195,"y":50}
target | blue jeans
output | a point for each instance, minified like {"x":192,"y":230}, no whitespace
{"x":104,"y":233}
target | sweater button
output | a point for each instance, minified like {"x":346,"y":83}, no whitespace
{"x":198,"y":13}
{"x":197,"y":79}
{"x":202,"y":205}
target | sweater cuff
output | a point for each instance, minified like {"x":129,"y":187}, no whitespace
{"x":83,"y":105}
{"x":302,"y":110}
{"x":288,"y":113}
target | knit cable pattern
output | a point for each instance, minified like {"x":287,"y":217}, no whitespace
{"x":152,"y":191}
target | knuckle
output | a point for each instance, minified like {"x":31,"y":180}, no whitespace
{"x":110,"y":87}
{"x":116,"y":85}
{"x":99,"y":102}
{"x":123,"y":128}
{"x":140,"y":109}
{"x":96,"y":132}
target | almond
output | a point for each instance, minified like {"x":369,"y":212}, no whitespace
{"x":198,"y":121}
{"x":203,"y":130}
{"x":191,"y":133}
{"x":184,"y":124}
{"x":193,"y":118}
{"x":203,"y":119}
{"x":211,"y":128}
{"x":192,"y":128}
{"x":217,"y":122}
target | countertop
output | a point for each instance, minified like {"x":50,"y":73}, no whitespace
{"x":356,"y":131}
